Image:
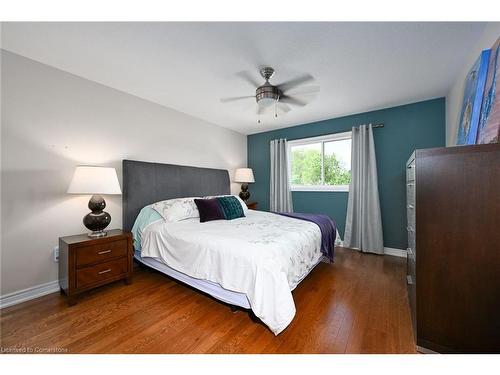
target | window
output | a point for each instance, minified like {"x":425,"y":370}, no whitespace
{"x":320,"y":163}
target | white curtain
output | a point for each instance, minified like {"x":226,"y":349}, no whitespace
{"x":280,"y":195}
{"x":363,"y":229}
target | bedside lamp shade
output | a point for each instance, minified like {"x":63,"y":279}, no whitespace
{"x":94,"y":180}
{"x":244,"y":175}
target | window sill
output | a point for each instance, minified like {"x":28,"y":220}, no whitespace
{"x":337,"y":188}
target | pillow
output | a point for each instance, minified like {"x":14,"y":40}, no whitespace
{"x":176,"y":209}
{"x":231,"y":207}
{"x":209,"y":209}
{"x":243,"y":204}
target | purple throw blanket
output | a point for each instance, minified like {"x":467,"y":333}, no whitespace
{"x":327,"y":226}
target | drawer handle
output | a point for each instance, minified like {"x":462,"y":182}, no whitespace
{"x":104,"y":252}
{"x":409,"y":229}
{"x":410,"y":184}
{"x":409,"y":280}
{"x":410,"y":206}
{"x":410,"y":251}
{"x":105,"y":271}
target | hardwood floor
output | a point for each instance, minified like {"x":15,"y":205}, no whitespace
{"x":356,"y":305}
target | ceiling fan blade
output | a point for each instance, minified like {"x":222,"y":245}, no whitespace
{"x":291,"y":100}
{"x":303,"y":90}
{"x":247,"y":76}
{"x":234,"y":98}
{"x":287,"y":85}
{"x":284,"y":107}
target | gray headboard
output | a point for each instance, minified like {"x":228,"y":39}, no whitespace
{"x":145,"y":183}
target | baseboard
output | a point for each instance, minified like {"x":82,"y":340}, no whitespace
{"x":28,"y":294}
{"x":395,"y":252}
{"x":390,"y":251}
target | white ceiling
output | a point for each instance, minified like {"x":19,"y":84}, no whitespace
{"x":189,"y":66}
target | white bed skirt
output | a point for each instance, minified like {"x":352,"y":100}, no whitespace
{"x":209,"y":287}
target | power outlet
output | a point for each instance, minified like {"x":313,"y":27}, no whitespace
{"x":55,"y":253}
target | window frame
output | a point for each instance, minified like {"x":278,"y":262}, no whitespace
{"x":311,"y":140}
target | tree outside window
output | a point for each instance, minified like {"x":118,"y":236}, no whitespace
{"x":323,"y":165}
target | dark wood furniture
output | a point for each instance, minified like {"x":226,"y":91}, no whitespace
{"x":86,"y":263}
{"x":454,"y":248}
{"x":251,"y":205}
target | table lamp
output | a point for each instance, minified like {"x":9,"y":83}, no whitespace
{"x":245,"y":176}
{"x":96,"y":181}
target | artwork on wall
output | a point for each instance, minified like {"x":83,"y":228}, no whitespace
{"x":489,"y":122}
{"x":472,"y":100}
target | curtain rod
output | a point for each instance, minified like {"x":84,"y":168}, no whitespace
{"x":381,"y":125}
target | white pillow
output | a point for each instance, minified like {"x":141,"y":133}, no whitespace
{"x":243,"y":204}
{"x":177,"y":209}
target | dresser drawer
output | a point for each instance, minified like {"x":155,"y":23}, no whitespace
{"x":410,"y":215}
{"x":101,"y":272}
{"x":100,"y":253}
{"x":410,"y":192}
{"x":410,"y":171}
{"x":411,"y":238}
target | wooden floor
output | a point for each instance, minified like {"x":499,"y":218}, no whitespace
{"x":356,"y":305}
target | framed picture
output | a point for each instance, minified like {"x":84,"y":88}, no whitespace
{"x":472,"y":100}
{"x":489,"y":122}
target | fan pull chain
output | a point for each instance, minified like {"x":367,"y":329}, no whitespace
{"x":276,"y":109}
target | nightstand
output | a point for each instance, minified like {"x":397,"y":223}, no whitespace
{"x":251,"y":205}
{"x":86,"y":263}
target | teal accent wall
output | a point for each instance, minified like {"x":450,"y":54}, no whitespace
{"x":406,"y":128}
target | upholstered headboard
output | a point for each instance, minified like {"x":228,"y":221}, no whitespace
{"x":145,"y":183}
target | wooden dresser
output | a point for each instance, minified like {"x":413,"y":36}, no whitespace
{"x":453,"y":215}
{"x":86,"y":263}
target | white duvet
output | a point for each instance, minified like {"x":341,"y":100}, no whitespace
{"x":263,"y":255}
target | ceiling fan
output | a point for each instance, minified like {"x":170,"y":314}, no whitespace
{"x":282,"y":96}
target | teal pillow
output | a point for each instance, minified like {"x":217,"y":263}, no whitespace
{"x":231,"y":207}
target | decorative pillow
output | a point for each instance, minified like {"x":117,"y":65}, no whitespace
{"x":176,"y":209}
{"x":209,"y":209}
{"x":243,"y":204}
{"x":231,"y":207}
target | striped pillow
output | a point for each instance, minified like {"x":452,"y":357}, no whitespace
{"x":231,"y":207}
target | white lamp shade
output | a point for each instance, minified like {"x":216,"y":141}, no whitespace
{"x":244,"y":175}
{"x":94,"y":180}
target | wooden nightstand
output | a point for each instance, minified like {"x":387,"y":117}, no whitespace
{"x":251,"y":205}
{"x":86,"y":263}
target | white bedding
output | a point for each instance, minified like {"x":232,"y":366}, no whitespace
{"x":263,"y":255}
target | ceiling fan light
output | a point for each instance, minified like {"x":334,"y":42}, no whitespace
{"x":266,"y":92}
{"x":266,"y":102}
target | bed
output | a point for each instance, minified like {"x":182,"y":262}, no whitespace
{"x":252,"y":262}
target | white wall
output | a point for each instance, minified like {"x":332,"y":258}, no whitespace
{"x":454,"y":97}
{"x":53,"y":121}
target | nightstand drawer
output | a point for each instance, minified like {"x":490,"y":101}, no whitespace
{"x":99,"y":253}
{"x":101,"y":272}
{"x":251,"y":205}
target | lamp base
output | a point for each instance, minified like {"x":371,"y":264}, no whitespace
{"x":98,"y":219}
{"x":244,"y":193}
{"x":97,"y":234}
